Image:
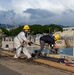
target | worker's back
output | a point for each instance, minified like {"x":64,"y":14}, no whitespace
{"x":47,"y":39}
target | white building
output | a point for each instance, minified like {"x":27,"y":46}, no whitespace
{"x":69,"y":31}
{"x":7,"y":43}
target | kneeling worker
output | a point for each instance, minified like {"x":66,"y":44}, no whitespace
{"x":50,"y":40}
{"x":21,"y":40}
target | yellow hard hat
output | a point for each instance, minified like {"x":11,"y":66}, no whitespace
{"x":56,"y":36}
{"x":26,"y":27}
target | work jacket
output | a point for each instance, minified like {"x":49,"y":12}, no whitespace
{"x":20,"y":38}
{"x":47,"y":39}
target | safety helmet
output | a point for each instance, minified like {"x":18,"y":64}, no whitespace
{"x":56,"y":36}
{"x":26,"y":27}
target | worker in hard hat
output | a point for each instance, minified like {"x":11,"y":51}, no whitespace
{"x":21,"y":39}
{"x":50,"y":40}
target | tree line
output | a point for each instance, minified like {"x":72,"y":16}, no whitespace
{"x":34,"y":29}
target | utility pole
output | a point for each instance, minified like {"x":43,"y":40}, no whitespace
{"x":49,"y":30}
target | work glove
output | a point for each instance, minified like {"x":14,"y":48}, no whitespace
{"x":29,"y":43}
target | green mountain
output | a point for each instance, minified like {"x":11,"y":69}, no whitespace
{"x":4,"y":26}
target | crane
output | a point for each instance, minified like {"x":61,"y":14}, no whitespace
{"x":15,"y":26}
{"x":6,"y":26}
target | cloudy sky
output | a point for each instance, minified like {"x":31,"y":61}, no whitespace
{"x":37,"y":12}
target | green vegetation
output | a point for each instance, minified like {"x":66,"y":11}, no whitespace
{"x":34,"y":29}
{"x":14,"y":32}
{"x":53,"y":28}
{"x":5,"y":31}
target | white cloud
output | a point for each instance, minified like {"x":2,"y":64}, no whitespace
{"x":58,"y":7}
{"x":52,"y":5}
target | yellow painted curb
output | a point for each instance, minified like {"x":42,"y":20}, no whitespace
{"x":55,"y":64}
{"x":8,"y":53}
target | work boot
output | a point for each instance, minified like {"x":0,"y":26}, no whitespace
{"x":30,"y":59}
{"x":15,"y":56}
{"x":38,"y":55}
{"x":33,"y":55}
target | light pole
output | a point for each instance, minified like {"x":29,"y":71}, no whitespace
{"x":49,"y":30}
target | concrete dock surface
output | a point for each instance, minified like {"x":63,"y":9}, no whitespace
{"x":6,"y":71}
{"x":21,"y":67}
